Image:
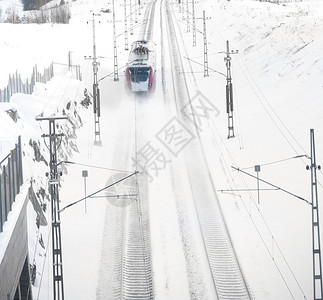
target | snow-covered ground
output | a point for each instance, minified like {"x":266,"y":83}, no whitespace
{"x":277,"y":81}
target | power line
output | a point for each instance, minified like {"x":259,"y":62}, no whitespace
{"x":225,"y":165}
{"x":247,"y":190}
{"x":95,"y":167}
{"x":58,"y":282}
{"x":269,"y":108}
{"x":89,"y":196}
{"x":277,"y":161}
{"x":203,"y":65}
{"x":275,"y":186}
{"x":275,"y":242}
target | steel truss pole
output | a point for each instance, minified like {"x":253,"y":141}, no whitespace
{"x":58,"y":286}
{"x":194,"y":23}
{"x":183,"y":10}
{"x":206,"y":67}
{"x":131,"y":20}
{"x":116,"y":76}
{"x":317,"y":265}
{"x":229,"y":93}
{"x":136,"y":12}
{"x":187,"y":17}
{"x":96,"y":92}
{"x":125,"y":26}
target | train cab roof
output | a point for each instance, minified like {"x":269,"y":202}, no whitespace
{"x":142,"y":53}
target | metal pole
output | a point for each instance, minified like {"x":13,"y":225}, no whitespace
{"x":58,"y":286}
{"x":96,"y":92}
{"x":206,"y":67}
{"x":183,"y":10}
{"x":125,"y":26}
{"x":115,"y":67}
{"x":136,"y":12}
{"x":194,"y":24}
{"x":85,"y":174}
{"x":229,"y":93}
{"x":257,"y":169}
{"x":131,"y":22}
{"x":316,"y":241}
{"x":139,"y":7}
{"x":187,"y":18}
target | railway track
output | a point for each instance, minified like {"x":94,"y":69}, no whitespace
{"x":131,"y":267}
{"x":227,"y":276}
{"x":134,"y":270}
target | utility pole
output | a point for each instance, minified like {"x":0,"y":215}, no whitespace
{"x":136,"y":12}
{"x":187,"y":18}
{"x":316,"y":241}
{"x":96,"y":91}
{"x":58,"y":285}
{"x":85,"y":175}
{"x":115,"y":69}
{"x":125,"y":26}
{"x":257,"y":170}
{"x":229,"y":91}
{"x":206,"y":67}
{"x":139,"y":8}
{"x":131,"y":21}
{"x":183,"y":10}
{"x":194,"y":25}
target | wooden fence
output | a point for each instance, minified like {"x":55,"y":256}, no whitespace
{"x":11,"y":179}
{"x":17,"y":85}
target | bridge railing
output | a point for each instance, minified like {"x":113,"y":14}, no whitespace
{"x":11,"y":179}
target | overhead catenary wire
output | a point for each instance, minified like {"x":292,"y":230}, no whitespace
{"x":248,"y":190}
{"x":274,"y":241}
{"x":95,"y":167}
{"x":106,"y":187}
{"x":116,"y":196}
{"x":249,"y":75}
{"x":258,"y":231}
{"x":277,"y":161}
{"x":44,"y":262}
{"x":213,"y":70}
{"x":259,"y":212}
{"x":268,"y":108}
{"x":225,"y":165}
{"x":54,"y":91}
{"x":46,"y":257}
{"x":258,"y":92}
{"x":275,"y":186}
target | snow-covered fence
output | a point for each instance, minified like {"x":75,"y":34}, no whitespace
{"x":11,"y":179}
{"x":17,"y":85}
{"x":74,"y":68}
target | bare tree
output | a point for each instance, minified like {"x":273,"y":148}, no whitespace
{"x":12,"y":14}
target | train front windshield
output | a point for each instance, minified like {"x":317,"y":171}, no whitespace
{"x":139,"y":74}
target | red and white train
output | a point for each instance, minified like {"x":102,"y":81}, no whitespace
{"x":140,"y":71}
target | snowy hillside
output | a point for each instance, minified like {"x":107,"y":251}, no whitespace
{"x":278,"y":91}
